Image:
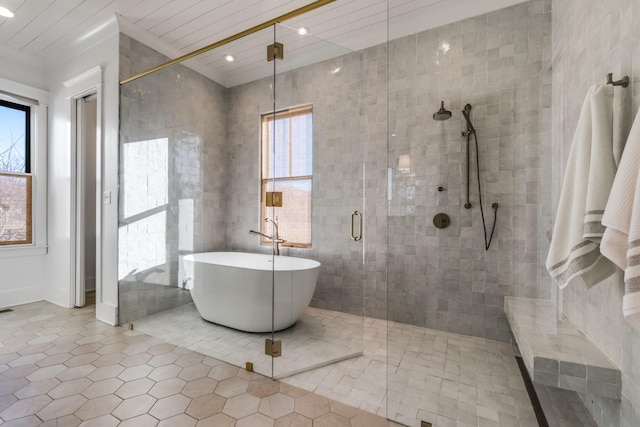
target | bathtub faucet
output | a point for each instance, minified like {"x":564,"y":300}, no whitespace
{"x":275,"y":238}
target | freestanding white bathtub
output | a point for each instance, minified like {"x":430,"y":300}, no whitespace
{"x":234,"y":289}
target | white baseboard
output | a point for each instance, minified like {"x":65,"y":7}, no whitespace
{"x":21,"y":296}
{"x":107,"y":313}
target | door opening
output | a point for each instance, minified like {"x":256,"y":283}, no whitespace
{"x":85,"y":199}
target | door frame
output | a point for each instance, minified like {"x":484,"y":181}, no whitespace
{"x":85,"y":84}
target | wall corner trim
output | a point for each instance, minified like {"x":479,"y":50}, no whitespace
{"x":93,"y":75}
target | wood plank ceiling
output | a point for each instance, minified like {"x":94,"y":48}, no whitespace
{"x":178,"y":27}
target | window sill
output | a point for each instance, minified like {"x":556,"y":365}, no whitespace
{"x":288,"y":245}
{"x":295,"y":246}
{"x":22,"y":251}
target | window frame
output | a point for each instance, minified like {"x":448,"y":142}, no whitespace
{"x":27,"y":134}
{"x":25,"y":173}
{"x":265,"y":119}
{"x":37,"y":100}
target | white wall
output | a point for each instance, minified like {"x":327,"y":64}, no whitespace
{"x":33,"y":277}
{"x":100,"y":49}
{"x":23,"y":279}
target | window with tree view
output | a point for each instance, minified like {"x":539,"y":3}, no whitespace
{"x":15,"y":174}
{"x":287,"y":167}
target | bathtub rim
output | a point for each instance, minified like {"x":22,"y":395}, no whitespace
{"x":287,"y":263}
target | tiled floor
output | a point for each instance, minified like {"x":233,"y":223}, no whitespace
{"x":61,"y":367}
{"x":439,"y":377}
{"x":319,"y":338}
{"x":444,"y":378}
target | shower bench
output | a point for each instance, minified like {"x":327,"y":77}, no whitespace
{"x":557,"y":353}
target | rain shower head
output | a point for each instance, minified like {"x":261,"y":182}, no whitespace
{"x":442,"y":114}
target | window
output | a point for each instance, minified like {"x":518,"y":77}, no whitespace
{"x":15,"y":174}
{"x":287,"y":167}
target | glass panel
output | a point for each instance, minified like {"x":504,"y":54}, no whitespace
{"x":145,"y":163}
{"x":190,"y":271}
{"x":449,"y":340}
{"x":319,"y":171}
{"x":295,"y":219}
{"x":276,"y":135}
{"x":197,"y":158}
{"x":290,"y":154}
{"x":288,"y":161}
{"x":162,"y":157}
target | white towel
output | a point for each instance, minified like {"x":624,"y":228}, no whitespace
{"x":621,"y":240}
{"x":590,"y":171}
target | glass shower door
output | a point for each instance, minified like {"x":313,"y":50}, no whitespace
{"x":318,"y":176}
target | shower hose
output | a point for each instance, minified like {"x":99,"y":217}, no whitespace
{"x":487,"y":242}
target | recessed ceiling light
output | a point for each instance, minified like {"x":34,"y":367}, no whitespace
{"x":303,"y":31}
{"x":5,"y":12}
{"x":229,"y":58}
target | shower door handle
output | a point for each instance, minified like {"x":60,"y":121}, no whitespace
{"x":353,"y":217}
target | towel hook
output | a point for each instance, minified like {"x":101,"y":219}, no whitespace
{"x":624,"y":82}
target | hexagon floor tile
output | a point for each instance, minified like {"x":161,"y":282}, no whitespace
{"x":62,"y":367}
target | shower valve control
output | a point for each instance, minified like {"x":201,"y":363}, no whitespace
{"x":441,"y":220}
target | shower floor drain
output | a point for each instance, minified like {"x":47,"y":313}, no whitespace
{"x":531,"y":391}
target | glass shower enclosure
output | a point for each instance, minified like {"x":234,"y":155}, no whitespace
{"x":294,"y":148}
{"x":234,"y":152}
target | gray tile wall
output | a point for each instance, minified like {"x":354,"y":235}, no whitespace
{"x":189,"y":110}
{"x":341,"y":139}
{"x":500,"y":64}
{"x":592,"y":38}
{"x":443,"y":279}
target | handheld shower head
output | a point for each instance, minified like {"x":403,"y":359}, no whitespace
{"x":465,"y":113}
{"x":442,"y":114}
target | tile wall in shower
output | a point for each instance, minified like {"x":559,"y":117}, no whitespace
{"x":337,"y":91}
{"x":171,"y":131}
{"x":500,"y":64}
